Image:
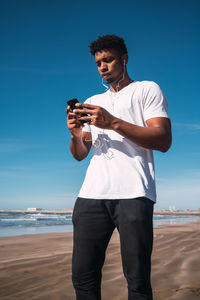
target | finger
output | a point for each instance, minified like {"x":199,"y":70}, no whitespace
{"x":72,"y":115}
{"x":85,"y":105}
{"x":72,"y":121}
{"x":74,"y":124}
{"x":83,"y":111}
{"x":68,"y":109}
{"x":69,"y":112}
{"x":87,"y":119}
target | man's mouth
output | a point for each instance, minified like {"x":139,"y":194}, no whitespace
{"x":105,"y":76}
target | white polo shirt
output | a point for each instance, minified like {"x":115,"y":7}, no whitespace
{"x":120,"y":169}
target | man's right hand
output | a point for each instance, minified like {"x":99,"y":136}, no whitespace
{"x":73,"y":124}
{"x":78,"y":146}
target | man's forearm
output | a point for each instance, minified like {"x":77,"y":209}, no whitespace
{"x":155,"y":138}
{"x":78,"y":148}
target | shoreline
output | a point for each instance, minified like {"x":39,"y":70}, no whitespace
{"x":34,"y":267}
{"x":22,"y":227}
{"x":156,"y":212}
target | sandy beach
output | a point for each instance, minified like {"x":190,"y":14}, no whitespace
{"x":39,"y":266}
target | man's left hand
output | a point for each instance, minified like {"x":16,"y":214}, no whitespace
{"x":97,"y":115}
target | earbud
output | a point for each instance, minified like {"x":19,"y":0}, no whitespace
{"x":124,"y":62}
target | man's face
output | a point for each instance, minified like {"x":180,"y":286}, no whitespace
{"x":110,"y":65}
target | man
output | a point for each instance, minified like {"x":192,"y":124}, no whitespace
{"x":124,"y":125}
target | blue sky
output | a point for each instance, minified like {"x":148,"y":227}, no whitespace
{"x":45,"y":60}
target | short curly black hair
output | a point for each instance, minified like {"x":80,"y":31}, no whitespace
{"x":108,"y":42}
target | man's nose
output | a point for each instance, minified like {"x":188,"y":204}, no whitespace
{"x":104,"y":67}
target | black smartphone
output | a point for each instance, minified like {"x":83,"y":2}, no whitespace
{"x":72,"y":103}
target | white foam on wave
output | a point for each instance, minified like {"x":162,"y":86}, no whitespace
{"x":18,"y":219}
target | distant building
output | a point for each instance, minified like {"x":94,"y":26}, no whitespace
{"x":33,"y":209}
{"x":172,"y":208}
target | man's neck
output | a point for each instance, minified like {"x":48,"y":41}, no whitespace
{"x":117,"y":86}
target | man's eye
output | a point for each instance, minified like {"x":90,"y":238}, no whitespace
{"x":108,"y":60}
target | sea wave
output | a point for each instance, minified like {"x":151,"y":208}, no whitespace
{"x":36,"y":220}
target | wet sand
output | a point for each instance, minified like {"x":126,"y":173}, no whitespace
{"x":39,"y":266}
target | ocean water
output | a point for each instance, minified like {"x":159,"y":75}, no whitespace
{"x":15,"y":224}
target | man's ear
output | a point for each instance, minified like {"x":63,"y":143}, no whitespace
{"x":125,"y":57}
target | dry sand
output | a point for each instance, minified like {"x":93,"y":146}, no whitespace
{"x":39,"y":266}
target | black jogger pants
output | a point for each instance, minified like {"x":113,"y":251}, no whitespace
{"x":94,"y":222}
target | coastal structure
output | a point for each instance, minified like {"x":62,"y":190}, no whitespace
{"x":34,"y":209}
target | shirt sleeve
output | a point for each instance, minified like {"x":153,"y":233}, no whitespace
{"x":87,"y":127}
{"x":155,"y":102}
